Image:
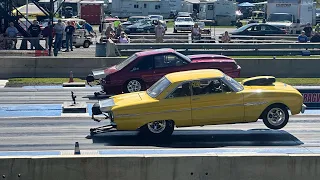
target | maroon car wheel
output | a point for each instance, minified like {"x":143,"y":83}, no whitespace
{"x":133,"y":85}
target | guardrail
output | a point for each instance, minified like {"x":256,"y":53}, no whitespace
{"x":123,"y":46}
{"x":186,"y":38}
{"x":229,"y":49}
{"x":217,"y":37}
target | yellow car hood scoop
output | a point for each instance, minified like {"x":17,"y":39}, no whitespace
{"x":259,"y":81}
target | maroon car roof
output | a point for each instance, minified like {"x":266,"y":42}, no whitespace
{"x":154,"y":52}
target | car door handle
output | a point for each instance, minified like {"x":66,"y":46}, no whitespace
{"x":195,"y":99}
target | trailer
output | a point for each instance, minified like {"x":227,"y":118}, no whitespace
{"x":91,"y":11}
{"x":223,"y":12}
{"x":291,"y":15}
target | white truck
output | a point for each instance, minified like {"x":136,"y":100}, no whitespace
{"x":291,"y":15}
{"x":223,"y":12}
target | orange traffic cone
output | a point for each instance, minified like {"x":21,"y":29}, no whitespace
{"x":71,"y":77}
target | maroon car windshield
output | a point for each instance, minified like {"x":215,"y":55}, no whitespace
{"x":126,"y":62}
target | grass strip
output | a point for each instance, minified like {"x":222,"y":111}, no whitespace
{"x":19,"y":82}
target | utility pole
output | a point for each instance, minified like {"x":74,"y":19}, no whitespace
{"x":51,"y":26}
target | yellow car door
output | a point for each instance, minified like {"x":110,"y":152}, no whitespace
{"x":177,"y":106}
{"x":214,"y":102}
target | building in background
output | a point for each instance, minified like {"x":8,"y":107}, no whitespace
{"x":126,"y":8}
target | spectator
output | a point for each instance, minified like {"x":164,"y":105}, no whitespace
{"x":225,"y":38}
{"x":159,"y":32}
{"x":315,"y":38}
{"x":116,"y":23}
{"x":58,"y":29}
{"x":35,"y":31}
{"x":12,"y":32}
{"x":302,"y":38}
{"x":69,"y":36}
{"x":308,"y":30}
{"x":123,"y":38}
{"x":119,"y":30}
{"x":89,"y":28}
{"x":196,"y":32}
{"x":46,"y":34}
{"x":239,"y":23}
{"x":109,"y":31}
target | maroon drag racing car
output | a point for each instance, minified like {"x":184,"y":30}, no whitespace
{"x":142,"y":69}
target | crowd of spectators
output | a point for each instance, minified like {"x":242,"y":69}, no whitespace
{"x":8,"y":40}
{"x":309,"y":35}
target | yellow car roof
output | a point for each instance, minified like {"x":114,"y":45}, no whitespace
{"x":193,"y":75}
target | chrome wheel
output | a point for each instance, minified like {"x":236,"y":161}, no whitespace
{"x":157,"y":126}
{"x":276,"y":116}
{"x":133,"y":86}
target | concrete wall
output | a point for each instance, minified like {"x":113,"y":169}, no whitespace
{"x":215,"y":167}
{"x":81,"y":67}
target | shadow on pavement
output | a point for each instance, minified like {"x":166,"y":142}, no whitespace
{"x":202,"y":138}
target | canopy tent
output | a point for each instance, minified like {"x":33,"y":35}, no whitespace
{"x":246,"y":4}
{"x":33,"y":10}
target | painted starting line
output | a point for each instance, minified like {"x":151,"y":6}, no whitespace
{"x":273,"y":150}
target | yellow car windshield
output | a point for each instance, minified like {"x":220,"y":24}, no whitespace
{"x":158,"y":87}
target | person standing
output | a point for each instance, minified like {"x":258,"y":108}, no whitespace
{"x":225,"y":37}
{"x":119,"y":31}
{"x":12,"y":33}
{"x":46,"y":35}
{"x":58,"y":29}
{"x":308,"y":30}
{"x":69,"y":36}
{"x":35,"y":31}
{"x":159,"y":32}
{"x":116,"y":23}
{"x":195,"y":32}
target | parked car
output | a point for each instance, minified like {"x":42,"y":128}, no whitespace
{"x":258,"y":29}
{"x":143,"y":26}
{"x":133,"y":19}
{"x":157,"y":17}
{"x":198,"y":98}
{"x":80,"y":38}
{"x":142,"y":69}
{"x":183,"y":24}
{"x":183,"y":14}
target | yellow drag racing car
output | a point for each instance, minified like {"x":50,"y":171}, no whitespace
{"x":197,"y":98}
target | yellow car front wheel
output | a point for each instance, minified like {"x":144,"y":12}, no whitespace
{"x":276,"y":116}
{"x":158,"y":128}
